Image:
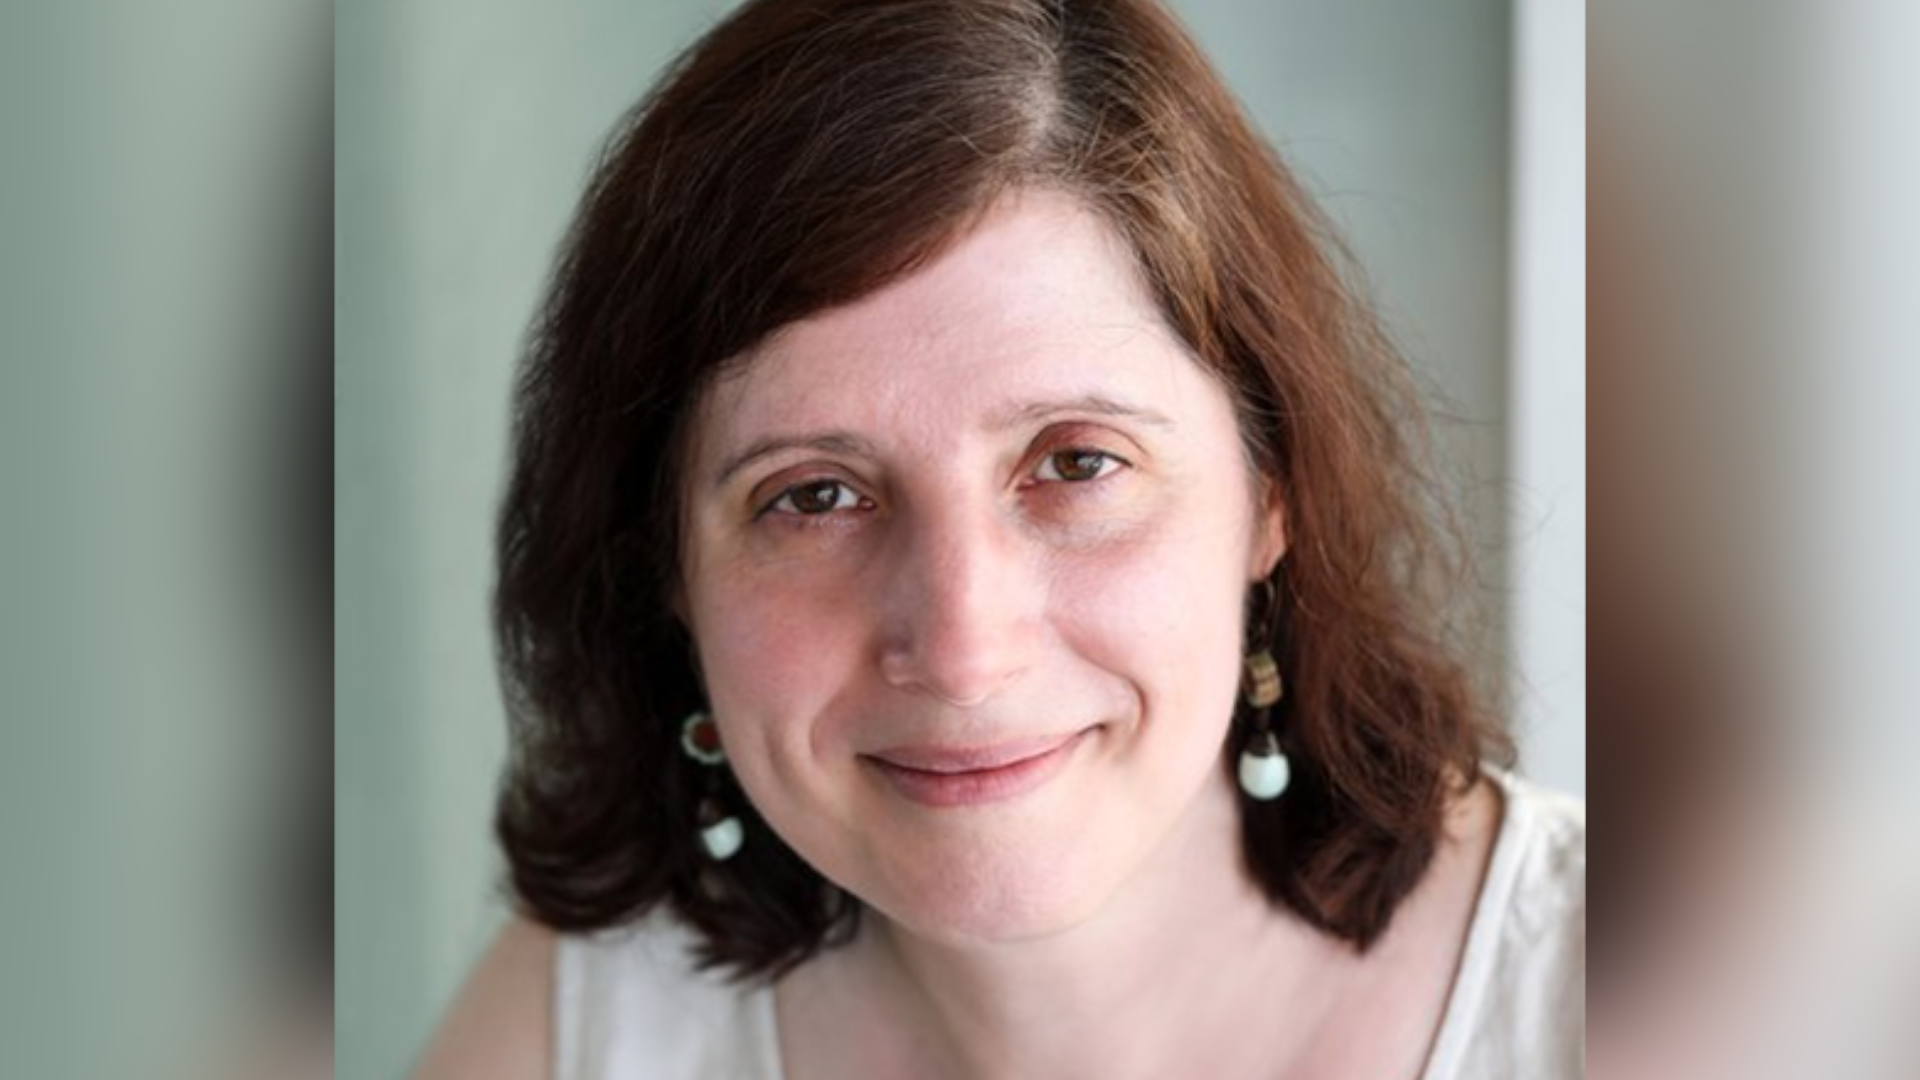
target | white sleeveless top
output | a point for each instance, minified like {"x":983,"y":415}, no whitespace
{"x":629,"y":1005}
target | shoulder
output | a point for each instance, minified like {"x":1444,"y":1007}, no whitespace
{"x":1519,"y":1003}
{"x":627,"y":1002}
{"x":499,"y":1026}
{"x":1549,"y":892}
{"x":633,"y":1001}
{"x":1533,"y":917}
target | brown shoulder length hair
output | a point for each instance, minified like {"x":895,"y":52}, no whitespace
{"x":802,"y":155}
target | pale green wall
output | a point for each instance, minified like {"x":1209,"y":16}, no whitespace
{"x":465,"y":129}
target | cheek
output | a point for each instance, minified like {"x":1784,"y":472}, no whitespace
{"x":773,"y":653}
{"x":1165,"y":612}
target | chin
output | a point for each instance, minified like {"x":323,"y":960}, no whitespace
{"x":995,"y":900}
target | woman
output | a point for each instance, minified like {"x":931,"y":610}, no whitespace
{"x":967,"y":605}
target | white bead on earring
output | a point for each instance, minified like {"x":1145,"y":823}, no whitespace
{"x":1264,"y":769}
{"x":721,"y":833}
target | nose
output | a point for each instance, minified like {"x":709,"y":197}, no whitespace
{"x":962,"y":605}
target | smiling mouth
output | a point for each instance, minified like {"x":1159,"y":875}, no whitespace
{"x":954,"y":776}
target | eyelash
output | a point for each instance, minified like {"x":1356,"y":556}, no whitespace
{"x":1106,"y":460}
{"x":1109,"y":463}
{"x":786,"y":496}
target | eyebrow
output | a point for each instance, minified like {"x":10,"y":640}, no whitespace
{"x":832,"y":442}
{"x":846,"y":442}
{"x":1097,"y":404}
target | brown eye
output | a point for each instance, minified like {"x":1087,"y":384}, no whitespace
{"x":1077,"y":466}
{"x":816,"y":497}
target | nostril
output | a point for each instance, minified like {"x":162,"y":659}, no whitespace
{"x":961,"y":664}
{"x":958,"y":680}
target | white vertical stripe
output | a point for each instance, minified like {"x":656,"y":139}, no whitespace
{"x":1547,"y":432}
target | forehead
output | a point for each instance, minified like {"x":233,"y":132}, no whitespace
{"x":1041,"y":301}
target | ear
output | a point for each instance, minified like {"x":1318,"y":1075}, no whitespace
{"x":1269,"y":532}
{"x":677,"y":603}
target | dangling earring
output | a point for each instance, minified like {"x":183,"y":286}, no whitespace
{"x":720,"y":832}
{"x":1264,"y":770}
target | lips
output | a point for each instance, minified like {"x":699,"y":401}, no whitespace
{"x":951,"y":776}
{"x":960,"y":759}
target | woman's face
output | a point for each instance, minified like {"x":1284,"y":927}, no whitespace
{"x":965,"y":564}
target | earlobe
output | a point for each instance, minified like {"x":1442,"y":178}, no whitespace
{"x":676,"y":601}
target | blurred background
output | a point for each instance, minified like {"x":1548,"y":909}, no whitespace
{"x":1447,"y":140}
{"x":165,"y":725}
